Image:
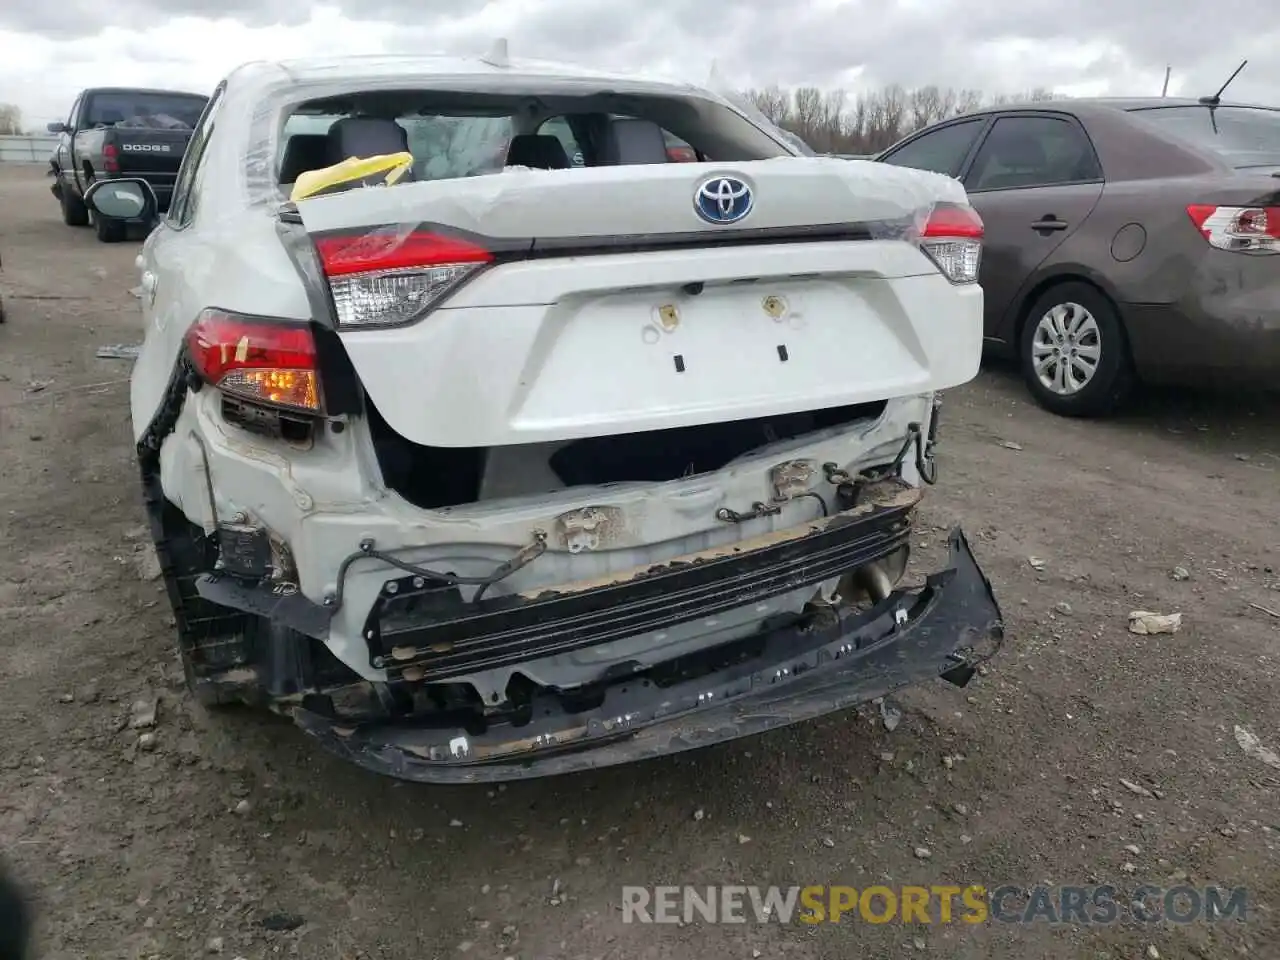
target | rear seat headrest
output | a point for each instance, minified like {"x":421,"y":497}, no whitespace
{"x":365,"y":137}
{"x":543,"y":151}
{"x":633,"y":141}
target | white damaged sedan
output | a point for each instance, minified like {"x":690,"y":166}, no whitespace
{"x":502,"y":418}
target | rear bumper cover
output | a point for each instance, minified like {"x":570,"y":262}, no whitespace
{"x":804,"y":671}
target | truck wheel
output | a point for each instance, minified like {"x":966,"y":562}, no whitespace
{"x":109,"y":231}
{"x":74,"y":212}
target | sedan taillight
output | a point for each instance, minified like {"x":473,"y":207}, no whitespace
{"x":393,"y":275}
{"x":1253,"y":230}
{"x":951,"y":236}
{"x":265,"y":361}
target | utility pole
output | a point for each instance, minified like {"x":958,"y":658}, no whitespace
{"x":1167,"y":70}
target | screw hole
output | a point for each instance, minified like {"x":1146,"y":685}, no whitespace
{"x":782,"y":352}
{"x":679,"y":361}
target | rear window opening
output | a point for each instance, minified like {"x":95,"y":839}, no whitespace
{"x":456,"y":134}
{"x":433,"y":478}
{"x":1243,"y":136}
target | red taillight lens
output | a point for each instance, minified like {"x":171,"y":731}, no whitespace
{"x":264,"y":361}
{"x":110,"y":158}
{"x":951,"y":236}
{"x":953,"y":220}
{"x":394,"y":275}
{"x":1238,"y":229}
{"x":681,"y":155}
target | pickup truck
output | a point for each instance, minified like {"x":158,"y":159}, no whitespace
{"x":121,"y":132}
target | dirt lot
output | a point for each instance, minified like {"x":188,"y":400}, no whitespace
{"x":1018,"y":779}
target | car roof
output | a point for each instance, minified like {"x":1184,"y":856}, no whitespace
{"x":378,"y":69}
{"x":149,"y":90}
{"x":1086,"y":105}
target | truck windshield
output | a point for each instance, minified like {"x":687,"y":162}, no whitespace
{"x":1243,"y":136}
{"x":138,"y":108}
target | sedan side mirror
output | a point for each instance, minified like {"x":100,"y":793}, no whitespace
{"x":129,"y":200}
{"x":57,"y":127}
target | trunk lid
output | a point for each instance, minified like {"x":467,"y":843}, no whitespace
{"x":638,"y":200}
{"x":599,"y":301}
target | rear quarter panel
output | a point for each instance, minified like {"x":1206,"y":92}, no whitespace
{"x":86,"y":150}
{"x":1138,"y":245}
{"x":235,"y":263}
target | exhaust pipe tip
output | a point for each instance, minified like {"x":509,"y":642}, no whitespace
{"x":876,"y":581}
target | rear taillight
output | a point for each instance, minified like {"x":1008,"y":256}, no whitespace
{"x":1238,"y":229}
{"x":110,"y":158}
{"x":951,"y":236}
{"x":681,"y":155}
{"x":261,"y":360}
{"x":393,"y":275}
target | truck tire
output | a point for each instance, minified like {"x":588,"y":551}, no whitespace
{"x":74,"y":212}
{"x":109,"y":231}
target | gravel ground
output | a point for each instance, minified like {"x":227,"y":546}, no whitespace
{"x":234,"y":834}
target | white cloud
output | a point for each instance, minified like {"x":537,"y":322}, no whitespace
{"x":185,"y":53}
{"x":1089,"y":47}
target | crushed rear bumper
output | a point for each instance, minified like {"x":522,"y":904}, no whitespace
{"x":944,"y":629}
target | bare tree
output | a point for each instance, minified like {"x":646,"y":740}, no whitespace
{"x":806,"y":113}
{"x":967,"y":100}
{"x":10,"y":119}
{"x":772,"y":102}
{"x":926,"y":106}
{"x":832,"y":122}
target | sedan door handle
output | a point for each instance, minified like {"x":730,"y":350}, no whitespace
{"x":1049,"y":222}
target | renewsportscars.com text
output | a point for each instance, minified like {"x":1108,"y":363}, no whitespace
{"x":939,"y":903}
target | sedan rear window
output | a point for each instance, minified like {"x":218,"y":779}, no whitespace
{"x":1243,"y":136}
{"x":455,"y":134}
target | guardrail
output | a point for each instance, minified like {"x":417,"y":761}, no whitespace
{"x":26,"y":149}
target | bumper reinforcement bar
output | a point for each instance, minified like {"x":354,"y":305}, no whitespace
{"x":423,"y":630}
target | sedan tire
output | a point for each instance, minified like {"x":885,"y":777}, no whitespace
{"x":1073,"y":352}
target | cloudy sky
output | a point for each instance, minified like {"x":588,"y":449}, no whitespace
{"x":52,"y":50}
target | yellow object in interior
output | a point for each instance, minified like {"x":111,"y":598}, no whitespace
{"x":354,"y":171}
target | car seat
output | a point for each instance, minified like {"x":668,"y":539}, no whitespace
{"x":303,"y":152}
{"x":542,"y":151}
{"x":366,"y":137}
{"x":629,"y":141}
